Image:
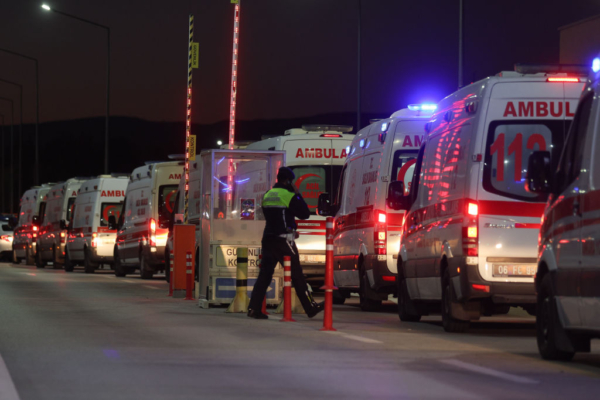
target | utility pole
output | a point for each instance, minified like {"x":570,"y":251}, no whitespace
{"x":460,"y":43}
{"x":358,"y":102}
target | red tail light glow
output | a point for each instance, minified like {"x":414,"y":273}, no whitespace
{"x":379,"y":234}
{"x":63,"y":236}
{"x":331,"y":135}
{"x":152,"y":232}
{"x":481,"y":288}
{"x":381,"y":218}
{"x":470,"y":233}
{"x":94,"y":239}
{"x":562,"y":79}
{"x":472,"y":209}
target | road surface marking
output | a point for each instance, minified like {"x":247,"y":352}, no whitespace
{"x":150,"y":287}
{"x":490,"y":372}
{"x":7,"y":387}
{"x":355,"y":337}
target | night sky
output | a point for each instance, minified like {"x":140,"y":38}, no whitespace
{"x":297,"y":57}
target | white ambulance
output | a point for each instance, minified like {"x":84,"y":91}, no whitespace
{"x":469,"y":239}
{"x":144,"y":223}
{"x":316,"y":154}
{"x":27,"y":229}
{"x":568,"y":272}
{"x":92,"y":231}
{"x":52,"y":240}
{"x":366,"y":237}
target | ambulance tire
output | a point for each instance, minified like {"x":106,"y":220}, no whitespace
{"x":88,"y":266}
{"x":339,"y":298}
{"x":366,"y":303}
{"x":406,"y":308}
{"x":450,"y":323}
{"x":546,"y":324}
{"x":15,"y":259}
{"x":69,"y":265}
{"x":56,"y":263}
{"x":120,"y":270}
{"x":29,"y":258}
{"x":39,"y":263}
{"x":146,"y":270}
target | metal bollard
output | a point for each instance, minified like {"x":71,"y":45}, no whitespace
{"x":171,"y":277}
{"x":241,"y":301}
{"x":189,"y":278}
{"x":287,"y":290}
{"x":329,"y":288}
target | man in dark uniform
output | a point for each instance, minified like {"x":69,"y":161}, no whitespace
{"x":281,"y":206}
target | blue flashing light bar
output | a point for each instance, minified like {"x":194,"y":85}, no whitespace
{"x":422,"y":107}
{"x":596,"y":64}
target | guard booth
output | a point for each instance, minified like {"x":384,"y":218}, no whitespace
{"x":232,"y":187}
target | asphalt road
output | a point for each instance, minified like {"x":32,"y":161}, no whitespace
{"x":78,"y":336}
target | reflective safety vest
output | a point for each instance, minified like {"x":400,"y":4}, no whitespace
{"x":278,"y":198}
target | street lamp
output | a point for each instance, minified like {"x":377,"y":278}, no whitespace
{"x":219,"y":142}
{"x":48,"y":8}
{"x":36,"y":172}
{"x":12,"y":158}
{"x":20,"y":132}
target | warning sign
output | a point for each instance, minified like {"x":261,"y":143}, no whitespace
{"x":192,"y":147}
{"x":195,"y":55}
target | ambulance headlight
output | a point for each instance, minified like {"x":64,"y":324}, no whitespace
{"x":596,"y":64}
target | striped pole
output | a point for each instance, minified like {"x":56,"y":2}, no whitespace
{"x":329,"y":288}
{"x":287,"y":290}
{"x":188,"y":120}
{"x":189,"y":277}
{"x":232,"y":103}
{"x":170,"y":272}
{"x":241,"y":301}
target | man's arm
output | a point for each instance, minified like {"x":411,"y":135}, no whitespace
{"x":299,"y":208}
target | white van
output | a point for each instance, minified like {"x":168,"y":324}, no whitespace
{"x":568,"y":271}
{"x":143,"y":226}
{"x":52,"y":239}
{"x":316,"y":154}
{"x":469,"y":239}
{"x":92,"y":231}
{"x":367,"y":233}
{"x":32,"y":205}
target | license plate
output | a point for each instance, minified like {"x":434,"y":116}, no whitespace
{"x":309,"y":258}
{"x":511,"y":270}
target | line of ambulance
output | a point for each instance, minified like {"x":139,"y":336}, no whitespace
{"x":479,"y":203}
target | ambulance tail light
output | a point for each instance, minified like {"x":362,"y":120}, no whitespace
{"x":152,"y":232}
{"x":380,"y":233}
{"x":94,"y":239}
{"x":470,"y":231}
{"x":6,"y":238}
{"x":331,"y":135}
{"x":63,"y":236}
{"x":34,"y":235}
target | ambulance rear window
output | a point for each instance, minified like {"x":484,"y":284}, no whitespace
{"x":166,"y":198}
{"x":311,"y":181}
{"x":509,"y":145}
{"x":70,"y":207}
{"x":109,"y":209}
{"x":403,"y":167}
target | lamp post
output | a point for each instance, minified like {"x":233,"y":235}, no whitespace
{"x":3,"y":194}
{"x":460,"y":43}
{"x":358,"y":103}
{"x":48,"y":8}
{"x":12,"y":158}
{"x":36,"y":172}
{"x":20,"y":132}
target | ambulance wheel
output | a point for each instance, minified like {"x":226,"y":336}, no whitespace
{"x":338,"y":297}
{"x":406,"y":308}
{"x":15,"y":259}
{"x":29,"y":258}
{"x":120,"y":270}
{"x":38,"y":260}
{"x":88,"y":265}
{"x":450,"y":323}
{"x":366,"y":303}
{"x":546,"y":324}
{"x":68,"y":265}
{"x":56,"y":262}
{"x":146,"y":271}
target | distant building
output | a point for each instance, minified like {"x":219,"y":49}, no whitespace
{"x":579,"y":42}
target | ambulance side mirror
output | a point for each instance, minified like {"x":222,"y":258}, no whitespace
{"x":538,"y":178}
{"x":112,"y":222}
{"x":324,"y":205}
{"x":396,"y":199}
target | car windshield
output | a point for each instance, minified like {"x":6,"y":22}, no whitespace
{"x":312,"y":180}
{"x":509,"y":145}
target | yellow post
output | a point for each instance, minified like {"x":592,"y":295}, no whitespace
{"x":241,"y":301}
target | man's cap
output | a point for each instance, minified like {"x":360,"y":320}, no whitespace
{"x":285,"y":173}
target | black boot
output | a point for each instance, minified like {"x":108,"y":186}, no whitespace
{"x":257,"y":314}
{"x":316,"y":308}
